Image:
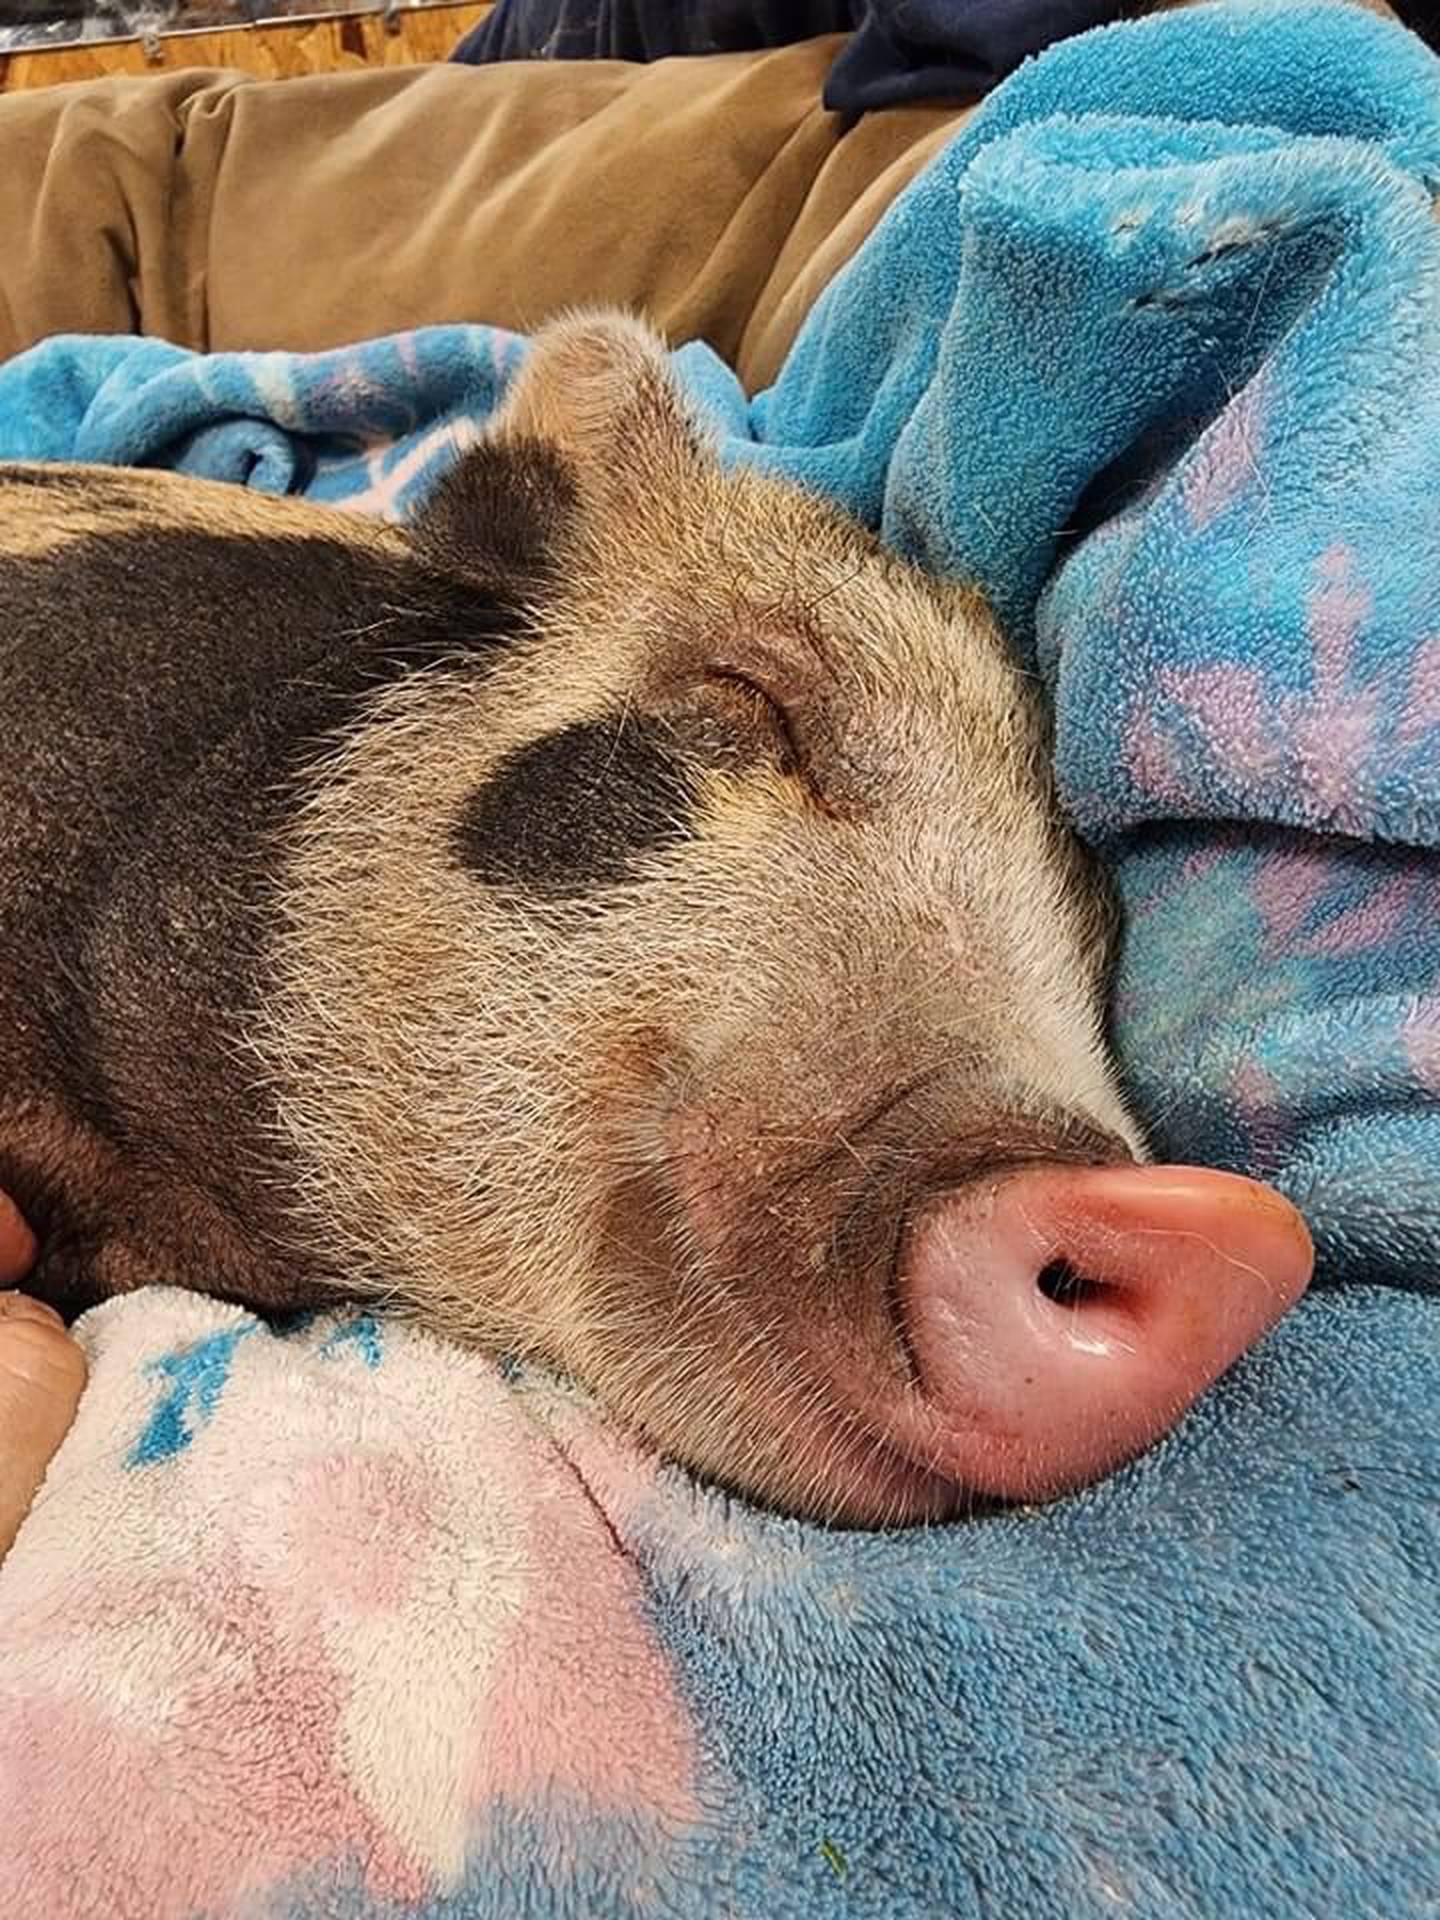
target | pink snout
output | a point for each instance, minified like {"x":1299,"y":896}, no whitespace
{"x":1063,"y":1318}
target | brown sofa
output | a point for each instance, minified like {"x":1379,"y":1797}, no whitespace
{"x":224,"y":212}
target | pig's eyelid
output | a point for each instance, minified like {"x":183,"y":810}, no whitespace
{"x":735,"y":677}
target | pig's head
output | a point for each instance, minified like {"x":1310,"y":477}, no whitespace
{"x":705,"y":996}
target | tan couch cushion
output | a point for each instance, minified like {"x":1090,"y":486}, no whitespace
{"x":220,"y":211}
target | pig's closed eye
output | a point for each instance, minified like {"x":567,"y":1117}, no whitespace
{"x":756,"y":718}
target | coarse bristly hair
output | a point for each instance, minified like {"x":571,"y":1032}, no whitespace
{"x":655,"y":1111}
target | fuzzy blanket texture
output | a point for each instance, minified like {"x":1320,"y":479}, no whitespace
{"x":327,"y":1619}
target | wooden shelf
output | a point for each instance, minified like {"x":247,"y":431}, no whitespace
{"x":276,"y":51}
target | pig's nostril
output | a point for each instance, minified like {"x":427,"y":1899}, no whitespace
{"x":1061,"y":1282}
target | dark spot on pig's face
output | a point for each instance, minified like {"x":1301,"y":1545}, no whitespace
{"x":577,"y":809}
{"x":688,"y":949}
{"x":585,"y":808}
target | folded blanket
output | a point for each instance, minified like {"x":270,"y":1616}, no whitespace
{"x":1151,"y":352}
{"x":370,"y":427}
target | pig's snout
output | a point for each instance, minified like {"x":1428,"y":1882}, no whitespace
{"x":1004,"y":1335}
{"x":1062,"y":1318}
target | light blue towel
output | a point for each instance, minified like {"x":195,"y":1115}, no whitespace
{"x":1151,"y":351}
{"x":370,"y":427}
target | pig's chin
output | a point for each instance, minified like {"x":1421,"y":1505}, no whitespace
{"x":818,"y":1461}
{"x":753,"y":1385}
{"x":838,"y":1445}
{"x":858,"y":1444}
{"x":858,"y":1479}
{"x":837,"y":1430}
{"x":760,"y":1400}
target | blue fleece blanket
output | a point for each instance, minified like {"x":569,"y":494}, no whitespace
{"x":1151,"y":351}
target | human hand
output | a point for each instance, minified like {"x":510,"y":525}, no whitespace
{"x":42,"y":1372}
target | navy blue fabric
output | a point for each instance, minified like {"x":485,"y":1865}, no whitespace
{"x":647,"y":29}
{"x":901,"y":50}
{"x":911,"y":50}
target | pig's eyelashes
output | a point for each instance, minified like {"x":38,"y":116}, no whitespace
{"x":757,"y":711}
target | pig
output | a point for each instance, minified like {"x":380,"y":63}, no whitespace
{"x":623,"y":919}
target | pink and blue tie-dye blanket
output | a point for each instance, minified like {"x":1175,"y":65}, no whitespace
{"x":329,"y":1619}
{"x":338,"y":1623}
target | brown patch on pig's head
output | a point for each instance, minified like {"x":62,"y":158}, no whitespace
{"x":637,"y":990}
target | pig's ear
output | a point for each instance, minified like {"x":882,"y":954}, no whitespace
{"x":598,"y":390}
{"x":500,"y":517}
